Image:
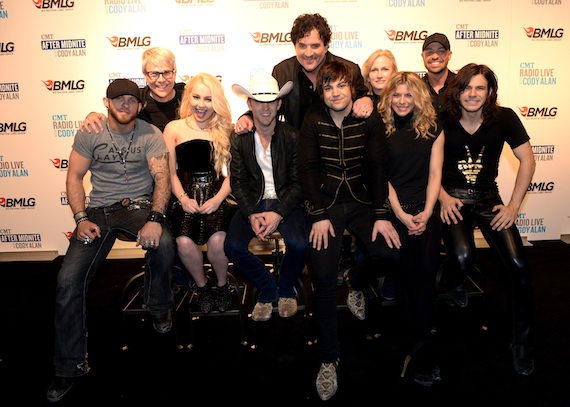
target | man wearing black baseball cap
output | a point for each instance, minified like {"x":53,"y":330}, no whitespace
{"x":123,"y":87}
{"x":130,"y":179}
{"x":436,"y":53}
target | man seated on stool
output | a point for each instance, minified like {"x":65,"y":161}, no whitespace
{"x":267,"y":188}
{"x":128,"y":161}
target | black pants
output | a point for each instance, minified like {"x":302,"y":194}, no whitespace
{"x":507,"y":243}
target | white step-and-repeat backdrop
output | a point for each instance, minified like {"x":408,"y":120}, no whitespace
{"x":57,"y":57}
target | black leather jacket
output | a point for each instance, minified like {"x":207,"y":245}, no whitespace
{"x":288,"y":70}
{"x":247,"y":180}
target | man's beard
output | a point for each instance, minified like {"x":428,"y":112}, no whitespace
{"x":122,"y":120}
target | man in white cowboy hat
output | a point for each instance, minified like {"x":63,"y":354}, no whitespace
{"x":267,"y":188}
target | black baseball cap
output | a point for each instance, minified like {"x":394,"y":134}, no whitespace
{"x":120,"y":87}
{"x":437,"y":37}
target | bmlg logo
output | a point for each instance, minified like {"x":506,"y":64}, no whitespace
{"x":64,"y":85}
{"x":13,"y":127}
{"x":267,"y":38}
{"x":126,"y":42}
{"x":543,"y":32}
{"x":541,"y":187}
{"x":17,"y":202}
{"x":401,"y":36}
{"x":60,"y":163}
{"x":47,"y":4}
{"x":6,"y":47}
{"x":526,"y":111}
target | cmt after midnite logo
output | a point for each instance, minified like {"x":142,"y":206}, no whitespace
{"x":204,"y":42}
{"x":21,"y":240}
{"x":477,"y":38}
{"x":9,"y":91}
{"x":64,"y":86}
{"x":129,"y":42}
{"x":543,"y":153}
{"x":64,"y":48}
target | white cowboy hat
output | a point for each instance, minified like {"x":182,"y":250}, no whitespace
{"x":262,"y":87}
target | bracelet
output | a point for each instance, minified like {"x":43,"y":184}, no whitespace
{"x":182,"y":196}
{"x":78,"y":221}
{"x":155,"y":217}
{"x":79,"y":215}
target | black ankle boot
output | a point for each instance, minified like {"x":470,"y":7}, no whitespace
{"x":223,"y":297}
{"x":205,"y":298}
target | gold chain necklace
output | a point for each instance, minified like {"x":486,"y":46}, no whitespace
{"x":195,"y":127}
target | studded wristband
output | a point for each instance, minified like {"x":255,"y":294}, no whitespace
{"x":155,"y":217}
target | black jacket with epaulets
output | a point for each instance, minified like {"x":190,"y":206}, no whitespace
{"x":355,"y":154}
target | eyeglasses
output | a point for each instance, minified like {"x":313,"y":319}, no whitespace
{"x":154,"y":75}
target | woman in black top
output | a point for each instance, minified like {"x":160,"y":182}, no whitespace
{"x":415,"y":159}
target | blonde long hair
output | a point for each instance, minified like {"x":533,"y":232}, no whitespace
{"x":424,"y":116}
{"x":367,"y":65}
{"x":221,"y":121}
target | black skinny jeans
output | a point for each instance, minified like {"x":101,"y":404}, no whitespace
{"x":507,"y":243}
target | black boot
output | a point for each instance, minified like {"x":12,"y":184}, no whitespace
{"x":223,"y":299}
{"x":205,"y":298}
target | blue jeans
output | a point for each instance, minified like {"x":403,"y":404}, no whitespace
{"x":78,"y":269}
{"x":293,"y":229}
{"x":356,"y":218}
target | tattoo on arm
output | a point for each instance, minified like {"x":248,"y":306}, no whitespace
{"x":160,"y":173}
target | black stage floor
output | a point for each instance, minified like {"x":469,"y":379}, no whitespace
{"x":279,"y":363}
